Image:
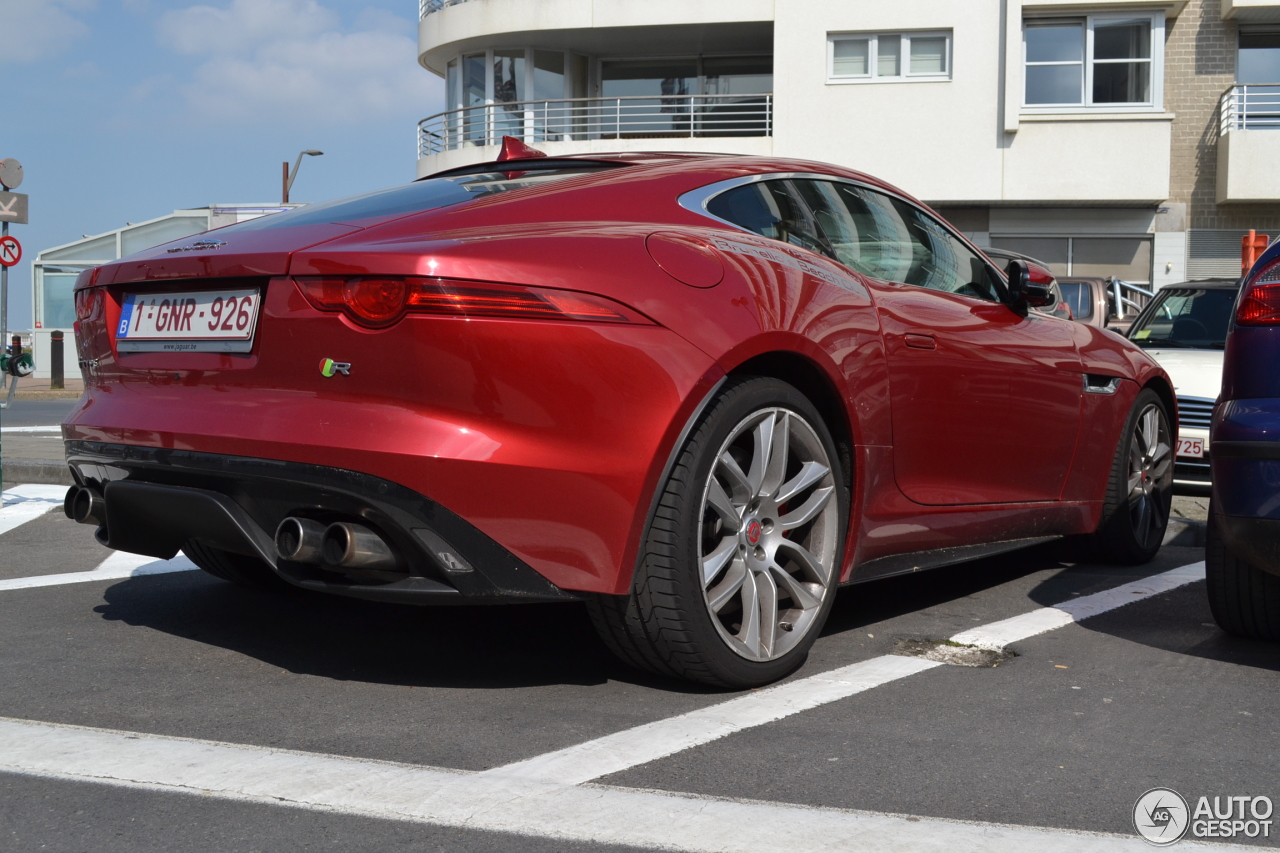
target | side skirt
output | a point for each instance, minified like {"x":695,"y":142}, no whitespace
{"x":916,"y":561}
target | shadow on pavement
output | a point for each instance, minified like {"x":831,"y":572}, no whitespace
{"x":1180,"y":621}
{"x":351,"y":640}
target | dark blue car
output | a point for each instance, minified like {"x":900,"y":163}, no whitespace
{"x":1243,"y":554}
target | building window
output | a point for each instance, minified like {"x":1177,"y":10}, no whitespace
{"x":1099,"y":61}
{"x":888,"y":57}
{"x":1258,"y":59}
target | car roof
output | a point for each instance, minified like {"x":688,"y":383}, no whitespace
{"x":716,"y":166}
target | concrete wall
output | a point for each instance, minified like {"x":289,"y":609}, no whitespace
{"x":1247,"y":166}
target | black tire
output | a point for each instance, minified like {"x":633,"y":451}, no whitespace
{"x":249,"y":572}
{"x":1121,"y":538}
{"x":666,"y":625}
{"x":1244,"y":599}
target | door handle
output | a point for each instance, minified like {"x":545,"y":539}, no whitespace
{"x":920,"y":341}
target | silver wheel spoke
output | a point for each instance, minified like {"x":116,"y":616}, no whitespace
{"x":807,"y":561}
{"x":739,"y":483}
{"x":787,"y":582}
{"x":808,"y":510}
{"x":714,"y":562}
{"x":763,"y":439}
{"x":1158,"y":472}
{"x":1135,"y":486}
{"x":750,"y":633}
{"x":724,"y":591}
{"x":767,"y":593}
{"x":810,"y":473}
{"x":720,"y":502}
{"x":778,"y":455}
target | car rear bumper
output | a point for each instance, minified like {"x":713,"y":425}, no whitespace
{"x":157,"y":499}
{"x":548,"y":437}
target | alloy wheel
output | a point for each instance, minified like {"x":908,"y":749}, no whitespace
{"x":1150,"y":476}
{"x":769,"y":529}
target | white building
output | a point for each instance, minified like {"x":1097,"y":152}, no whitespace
{"x":54,"y":271}
{"x":1136,"y":138}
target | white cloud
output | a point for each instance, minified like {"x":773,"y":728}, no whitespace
{"x":292,"y":59}
{"x":244,"y":25}
{"x":39,"y":29}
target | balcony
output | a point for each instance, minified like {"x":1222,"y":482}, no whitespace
{"x":1249,"y":144}
{"x":426,"y":7}
{"x":581,"y":125}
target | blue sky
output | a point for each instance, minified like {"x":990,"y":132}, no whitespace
{"x":125,"y":110}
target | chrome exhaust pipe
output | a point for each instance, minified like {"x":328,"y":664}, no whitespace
{"x":300,"y":540}
{"x":86,"y":506}
{"x":354,"y":546}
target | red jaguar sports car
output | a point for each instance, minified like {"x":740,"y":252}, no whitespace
{"x":696,"y":392}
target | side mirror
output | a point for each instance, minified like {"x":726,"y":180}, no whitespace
{"x":1029,"y":286}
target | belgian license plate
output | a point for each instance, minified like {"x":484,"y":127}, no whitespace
{"x":208,"y":321}
{"x":1191,"y":447}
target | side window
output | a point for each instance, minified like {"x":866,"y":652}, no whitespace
{"x":898,"y":242}
{"x":769,"y":209}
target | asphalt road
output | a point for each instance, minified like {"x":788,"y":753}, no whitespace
{"x":27,"y":412}
{"x":1066,"y":735}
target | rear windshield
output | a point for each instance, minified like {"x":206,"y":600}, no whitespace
{"x":1079,"y":296}
{"x":417,"y":197}
{"x":1186,"y":317}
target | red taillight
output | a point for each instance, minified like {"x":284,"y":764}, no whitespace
{"x":88,"y":304}
{"x":1260,"y":304}
{"x":377,"y":302}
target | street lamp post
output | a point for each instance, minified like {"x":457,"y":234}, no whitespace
{"x":288,"y":177}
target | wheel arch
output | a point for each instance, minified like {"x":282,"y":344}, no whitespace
{"x":1164,"y":391}
{"x":812,"y":381}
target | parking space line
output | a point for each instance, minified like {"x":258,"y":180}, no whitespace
{"x":28,"y":502}
{"x":40,"y":429}
{"x":642,"y":744}
{"x":651,"y":741}
{"x":589,"y":814}
{"x":118,"y":565}
{"x":997,"y":635}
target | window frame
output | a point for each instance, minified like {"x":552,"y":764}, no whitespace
{"x":904,"y":57}
{"x":697,"y":200}
{"x":1091,"y":21}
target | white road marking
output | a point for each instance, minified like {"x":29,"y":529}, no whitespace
{"x":477,"y":801}
{"x":632,"y":747}
{"x":55,"y":428}
{"x":642,"y":744}
{"x":28,"y":502}
{"x":118,"y":565}
{"x":997,"y":635}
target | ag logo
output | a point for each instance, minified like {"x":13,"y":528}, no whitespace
{"x":1161,"y":816}
{"x":328,"y":367}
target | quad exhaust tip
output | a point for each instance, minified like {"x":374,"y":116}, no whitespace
{"x":354,"y":546}
{"x":341,"y":545}
{"x":85,"y":506}
{"x":299,"y":540}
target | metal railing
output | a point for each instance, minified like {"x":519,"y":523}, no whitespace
{"x":1125,"y":296}
{"x":1250,"y":107}
{"x":580,"y":119}
{"x":426,"y":7}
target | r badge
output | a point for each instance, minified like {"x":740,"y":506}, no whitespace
{"x":328,"y":367}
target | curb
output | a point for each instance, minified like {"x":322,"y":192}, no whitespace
{"x":1185,"y":532}
{"x":46,"y":471}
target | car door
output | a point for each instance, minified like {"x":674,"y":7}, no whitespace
{"x":985,"y":401}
